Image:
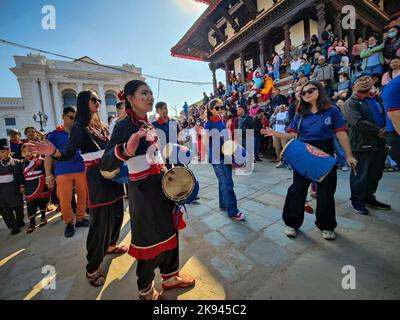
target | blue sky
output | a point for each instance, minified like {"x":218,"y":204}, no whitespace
{"x":111,"y":32}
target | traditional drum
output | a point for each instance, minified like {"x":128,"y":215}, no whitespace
{"x":308,"y":160}
{"x":179,"y":184}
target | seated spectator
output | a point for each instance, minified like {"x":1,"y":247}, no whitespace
{"x":305,"y":67}
{"x":249,"y":75}
{"x":205,"y":98}
{"x":242,"y":99}
{"x":323,"y":71}
{"x":294,"y":67}
{"x":373,"y":57}
{"x":302,"y":79}
{"x":376,"y":87}
{"x":304,"y":48}
{"x":392,"y":44}
{"x":254,"y":107}
{"x":312,"y":46}
{"x":277,"y":98}
{"x":332,"y":47}
{"x":291,"y":97}
{"x":343,"y":89}
{"x":341,"y":47}
{"x":393,"y":72}
{"x":327,"y":85}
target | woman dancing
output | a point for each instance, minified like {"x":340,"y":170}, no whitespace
{"x":105,"y":197}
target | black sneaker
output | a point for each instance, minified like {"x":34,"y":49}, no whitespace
{"x":376,"y":204}
{"x":359,"y":208}
{"x":15,"y":231}
{"x":82,"y":224}
{"x":258,"y":159}
{"x":69,"y":230}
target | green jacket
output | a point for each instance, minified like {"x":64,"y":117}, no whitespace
{"x":366,"y":53}
{"x":363,"y":132}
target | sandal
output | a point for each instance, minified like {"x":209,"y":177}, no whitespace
{"x":97,"y":279}
{"x":43,"y":223}
{"x":30,"y":230}
{"x":184,"y":282}
{"x":155,"y":295}
{"x":118,"y":250}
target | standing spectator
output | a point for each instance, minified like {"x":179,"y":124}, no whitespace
{"x":250,"y":75}
{"x":293,"y":106}
{"x":258,"y":77}
{"x":258,"y":125}
{"x":391,"y":100}
{"x":121,"y":115}
{"x":15,"y":143}
{"x":186,"y":109}
{"x":221,"y":89}
{"x":373,"y":57}
{"x":279,"y":122}
{"x":366,"y":120}
{"x":254,"y":107}
{"x":242,"y":99}
{"x":245,"y":122}
{"x":277,"y":65}
{"x":30,"y":134}
{"x":312,"y":47}
{"x":327,"y":36}
{"x":68,"y":174}
{"x":304,"y":47}
{"x":356,"y":53}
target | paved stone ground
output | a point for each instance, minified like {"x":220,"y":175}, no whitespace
{"x":230,"y":259}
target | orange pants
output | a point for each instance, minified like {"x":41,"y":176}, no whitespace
{"x":65,"y":184}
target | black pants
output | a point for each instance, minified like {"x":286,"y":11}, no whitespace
{"x":393,"y":143}
{"x":104,"y":230}
{"x":293,"y":211}
{"x":167,"y":262}
{"x":13,"y":217}
{"x":36,"y":204}
{"x":369,"y":171}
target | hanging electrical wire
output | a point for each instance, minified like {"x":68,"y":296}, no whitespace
{"x":18,"y":45}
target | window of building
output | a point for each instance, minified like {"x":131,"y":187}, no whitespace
{"x":10,"y":121}
{"x":111,"y":100}
{"x":69,"y":99}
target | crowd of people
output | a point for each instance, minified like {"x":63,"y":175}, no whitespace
{"x":343,"y":101}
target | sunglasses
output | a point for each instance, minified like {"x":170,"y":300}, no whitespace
{"x":309,"y":91}
{"x":217,"y":108}
{"x":95,"y":100}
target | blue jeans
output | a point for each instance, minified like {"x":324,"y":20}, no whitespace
{"x":227,"y":197}
{"x":277,"y":74}
{"x":340,"y":156}
{"x":378,"y":69}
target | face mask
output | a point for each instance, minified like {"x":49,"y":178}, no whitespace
{"x":372,"y":45}
{"x":392,"y":34}
{"x":290,"y":92}
{"x":342,"y":80}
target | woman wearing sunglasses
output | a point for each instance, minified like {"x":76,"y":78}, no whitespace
{"x":105,"y":197}
{"x":217,"y":129}
{"x":315,"y":123}
{"x":154,"y":242}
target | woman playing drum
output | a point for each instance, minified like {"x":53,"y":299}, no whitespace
{"x":315,"y":123}
{"x":223,"y":171}
{"x":154,"y":234}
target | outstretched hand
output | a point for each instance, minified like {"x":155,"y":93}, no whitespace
{"x":268,"y":132}
{"x":45,"y":147}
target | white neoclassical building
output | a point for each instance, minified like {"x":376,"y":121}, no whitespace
{"x":50,"y":85}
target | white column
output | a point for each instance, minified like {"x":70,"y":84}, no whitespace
{"x":103,"y":107}
{"x":79,"y":85}
{"x":57,"y":103}
{"x":47,"y":107}
{"x":37,"y":104}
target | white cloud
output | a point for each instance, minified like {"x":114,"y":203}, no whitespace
{"x":190,"y":7}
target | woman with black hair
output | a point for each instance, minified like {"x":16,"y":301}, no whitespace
{"x":218,"y":130}
{"x":154,"y":233}
{"x":315,"y":123}
{"x":105,"y":197}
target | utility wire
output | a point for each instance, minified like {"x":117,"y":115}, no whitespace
{"x":18,"y":45}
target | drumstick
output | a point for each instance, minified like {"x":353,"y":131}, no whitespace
{"x":354,"y":170}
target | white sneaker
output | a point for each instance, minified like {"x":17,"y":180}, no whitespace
{"x":328,"y":235}
{"x":239,"y":216}
{"x":290,"y":232}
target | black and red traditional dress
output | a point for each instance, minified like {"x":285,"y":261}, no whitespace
{"x":11,"y":201}
{"x":37,"y":194}
{"x":154,"y":234}
{"x":105,"y":197}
